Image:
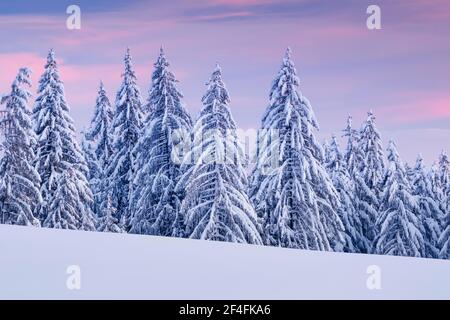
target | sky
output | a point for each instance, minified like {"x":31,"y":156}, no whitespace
{"x":401,"y":71}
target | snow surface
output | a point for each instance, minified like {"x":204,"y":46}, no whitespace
{"x":33,"y":264}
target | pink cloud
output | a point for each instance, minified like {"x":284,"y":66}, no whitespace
{"x":220,"y":16}
{"x":80,"y":81}
{"x":248,"y":3}
{"x":429,"y":11}
{"x":74,"y":75}
{"x":239,"y":3}
{"x":417,"y":108}
{"x":89,"y":36}
{"x":32,"y":22}
{"x":10,"y":64}
{"x":108,"y":28}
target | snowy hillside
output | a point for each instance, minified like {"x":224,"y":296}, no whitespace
{"x":34,"y":263}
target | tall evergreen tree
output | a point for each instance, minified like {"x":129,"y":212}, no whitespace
{"x":155,"y":202}
{"x":444,"y":239}
{"x":67,"y":208}
{"x":59,"y":158}
{"x":216,"y":204}
{"x":429,"y":211}
{"x":368,"y":176}
{"x":97,"y":147}
{"x":444,"y":167}
{"x":351,"y":155}
{"x":19,"y":190}
{"x":443,"y":179}
{"x":372,"y":166}
{"x":336,"y":166}
{"x":126,"y":126}
{"x":108,"y":222}
{"x":443,"y":185}
{"x":409,"y":171}
{"x":294,"y":197}
{"x":87,"y":146}
{"x":398,"y":223}
{"x":327,"y":152}
{"x":362,"y":196}
{"x":433,"y":177}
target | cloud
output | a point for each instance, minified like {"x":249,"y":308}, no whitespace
{"x":20,"y":22}
{"x":222,"y":16}
{"x":80,"y":81}
{"x":11,"y":62}
{"x":399,"y":71}
{"x":417,"y":107}
{"x":239,"y":3}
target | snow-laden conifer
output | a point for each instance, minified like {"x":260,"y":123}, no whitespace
{"x":398,"y":223}
{"x":443,"y":185}
{"x":442,"y":180}
{"x":216,"y":204}
{"x":336,"y":166}
{"x":291,"y":190}
{"x":429,"y":210}
{"x":370,"y":147}
{"x":97,"y":147}
{"x":59,"y":161}
{"x":368,"y":173}
{"x":125,"y":130}
{"x":108,"y":222}
{"x":19,"y":190}
{"x":351,"y":154}
{"x":159,"y":153}
{"x":67,"y":208}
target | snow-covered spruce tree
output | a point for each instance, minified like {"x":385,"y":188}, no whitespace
{"x":443,"y":183}
{"x":444,"y":167}
{"x":370,"y":147}
{"x":293,"y":195}
{"x":398,"y":223}
{"x":409,"y":171}
{"x":97,"y":147}
{"x":444,"y":240}
{"x":57,"y":154}
{"x":368,"y":176}
{"x":125,"y":129}
{"x":67,"y":210}
{"x":443,"y":179}
{"x":108,"y":222}
{"x":154,"y":202}
{"x":88,"y":151}
{"x":362,"y":195}
{"x":351,"y":155}
{"x":433,"y":176}
{"x":336,"y":166}
{"x":429,"y":211}
{"x":19,"y":190}
{"x":216,"y":205}
{"x":87,"y":148}
{"x":326,"y":146}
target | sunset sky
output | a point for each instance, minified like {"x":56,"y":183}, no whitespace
{"x":401,"y":72}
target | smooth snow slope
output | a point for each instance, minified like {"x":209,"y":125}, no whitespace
{"x":33,"y":264}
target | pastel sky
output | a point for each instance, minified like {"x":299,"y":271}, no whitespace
{"x":401,"y":72}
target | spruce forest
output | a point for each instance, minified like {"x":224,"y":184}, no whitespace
{"x":148,"y":167}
